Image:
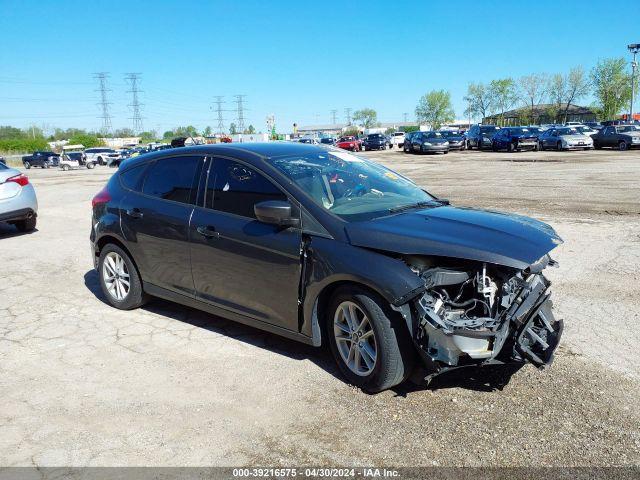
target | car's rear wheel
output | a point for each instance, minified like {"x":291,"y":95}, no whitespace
{"x":622,"y":146}
{"x":559,"y":146}
{"x":100,"y":161}
{"x":119,"y":279}
{"x":511,"y":147}
{"x":26,"y":225}
{"x":373,"y":351}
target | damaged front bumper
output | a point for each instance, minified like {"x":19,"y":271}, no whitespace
{"x":519,"y":327}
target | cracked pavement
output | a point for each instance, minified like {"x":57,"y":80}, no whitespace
{"x":84,"y":384}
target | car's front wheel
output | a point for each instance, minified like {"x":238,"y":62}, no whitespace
{"x":373,"y":351}
{"x":622,"y":146}
{"x":119,"y":279}
{"x":27,"y":165}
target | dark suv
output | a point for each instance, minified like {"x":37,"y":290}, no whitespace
{"x":41,"y":159}
{"x":376,"y":141}
{"x":324,"y":247}
{"x":514,"y":139}
{"x":480,"y":136}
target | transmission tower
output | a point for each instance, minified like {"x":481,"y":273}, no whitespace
{"x":239,"y":99}
{"x":347,"y":114}
{"x":135,"y":105}
{"x":406,"y":117}
{"x":219,"y":111}
{"x":334,"y":117}
{"x":104,"y":104}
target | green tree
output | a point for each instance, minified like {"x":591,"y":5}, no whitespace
{"x":367,"y":117}
{"x":503,"y":95}
{"x":435,"y":109}
{"x":250,"y":130}
{"x":123,"y":133}
{"x":351,"y":131}
{"x":479,"y":101}
{"x":148,"y":136}
{"x":207,"y":131}
{"x":86,"y":139}
{"x":612,"y":87}
{"x":233,"y":129}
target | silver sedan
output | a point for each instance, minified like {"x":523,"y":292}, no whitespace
{"x":564,"y":138}
{"x":18,"y":203}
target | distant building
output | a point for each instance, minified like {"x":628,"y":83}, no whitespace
{"x":540,"y":114}
{"x":121,"y":142}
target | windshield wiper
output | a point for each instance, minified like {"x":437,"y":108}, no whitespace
{"x":411,"y":206}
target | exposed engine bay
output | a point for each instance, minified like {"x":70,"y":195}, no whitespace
{"x":475,"y":313}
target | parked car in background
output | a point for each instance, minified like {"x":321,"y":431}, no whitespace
{"x":349,"y":143}
{"x":479,"y":136}
{"x":457,"y":140}
{"x":622,"y":137}
{"x":429,"y":142}
{"x":594,"y":125}
{"x":18,"y":202}
{"x":514,"y":139}
{"x":407,"y":140}
{"x":564,"y":138}
{"x":308,"y":140}
{"x":586,"y":130}
{"x":376,"y":141}
{"x":324,"y":247}
{"x":101,"y":155}
{"x":397,"y":139}
{"x":2,"y":160}
{"x":42,"y":159}
{"x":327,"y":140}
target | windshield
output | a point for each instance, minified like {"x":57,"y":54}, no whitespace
{"x":489,"y":129}
{"x":628,"y":128}
{"x":568,"y":131}
{"x":433,"y":135}
{"x":350,"y":186}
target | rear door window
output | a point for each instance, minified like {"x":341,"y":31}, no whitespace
{"x":134,"y":177}
{"x":172,"y":178}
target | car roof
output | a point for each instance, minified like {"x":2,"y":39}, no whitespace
{"x":265,"y":150}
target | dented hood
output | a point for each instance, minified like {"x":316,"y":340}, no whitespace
{"x":486,"y":236}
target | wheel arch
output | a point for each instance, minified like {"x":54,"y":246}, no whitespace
{"x":107,"y":239}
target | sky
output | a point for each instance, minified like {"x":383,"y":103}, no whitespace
{"x":297,"y":60}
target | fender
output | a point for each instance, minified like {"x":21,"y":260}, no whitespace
{"x":330,"y":261}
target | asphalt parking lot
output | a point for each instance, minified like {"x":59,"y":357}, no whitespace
{"x":84,"y":384}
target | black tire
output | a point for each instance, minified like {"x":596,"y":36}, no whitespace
{"x":541,"y":146}
{"x":136,"y":296}
{"x":559,"y":146}
{"x":26,"y":225}
{"x":494,"y":147}
{"x":446,"y":151}
{"x":27,"y":165}
{"x":395,"y":355}
{"x":100,"y":161}
{"x":596,"y":145}
{"x":90,"y":165}
{"x":535,"y":147}
{"x":622,"y":146}
{"x":511,"y":147}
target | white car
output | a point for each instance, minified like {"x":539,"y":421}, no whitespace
{"x":101,"y":155}
{"x":18,"y":202}
{"x":397,"y":139}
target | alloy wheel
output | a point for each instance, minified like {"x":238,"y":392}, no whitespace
{"x":116,"y":276}
{"x":355,"y":339}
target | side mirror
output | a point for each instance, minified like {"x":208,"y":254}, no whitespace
{"x":275,"y":212}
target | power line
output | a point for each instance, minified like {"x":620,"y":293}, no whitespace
{"x":135,"y":105}
{"x":347,"y":114}
{"x":104,"y":104}
{"x":239,"y":99}
{"x":219,"y":111}
{"x":334,"y":117}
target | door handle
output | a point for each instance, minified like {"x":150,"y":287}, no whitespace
{"x":134,"y":213}
{"x":208,"y":231}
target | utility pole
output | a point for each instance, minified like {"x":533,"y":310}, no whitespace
{"x":334,"y":117}
{"x":239,"y":99}
{"x":405,"y":116}
{"x":133,"y":78}
{"x":347,"y":114}
{"x":633,"y":48}
{"x":104,"y":104}
{"x":219,"y":110}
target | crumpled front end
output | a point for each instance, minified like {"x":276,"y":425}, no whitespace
{"x":475,"y":313}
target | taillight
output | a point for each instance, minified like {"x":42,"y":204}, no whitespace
{"x":101,"y":197}
{"x":21,"y":179}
